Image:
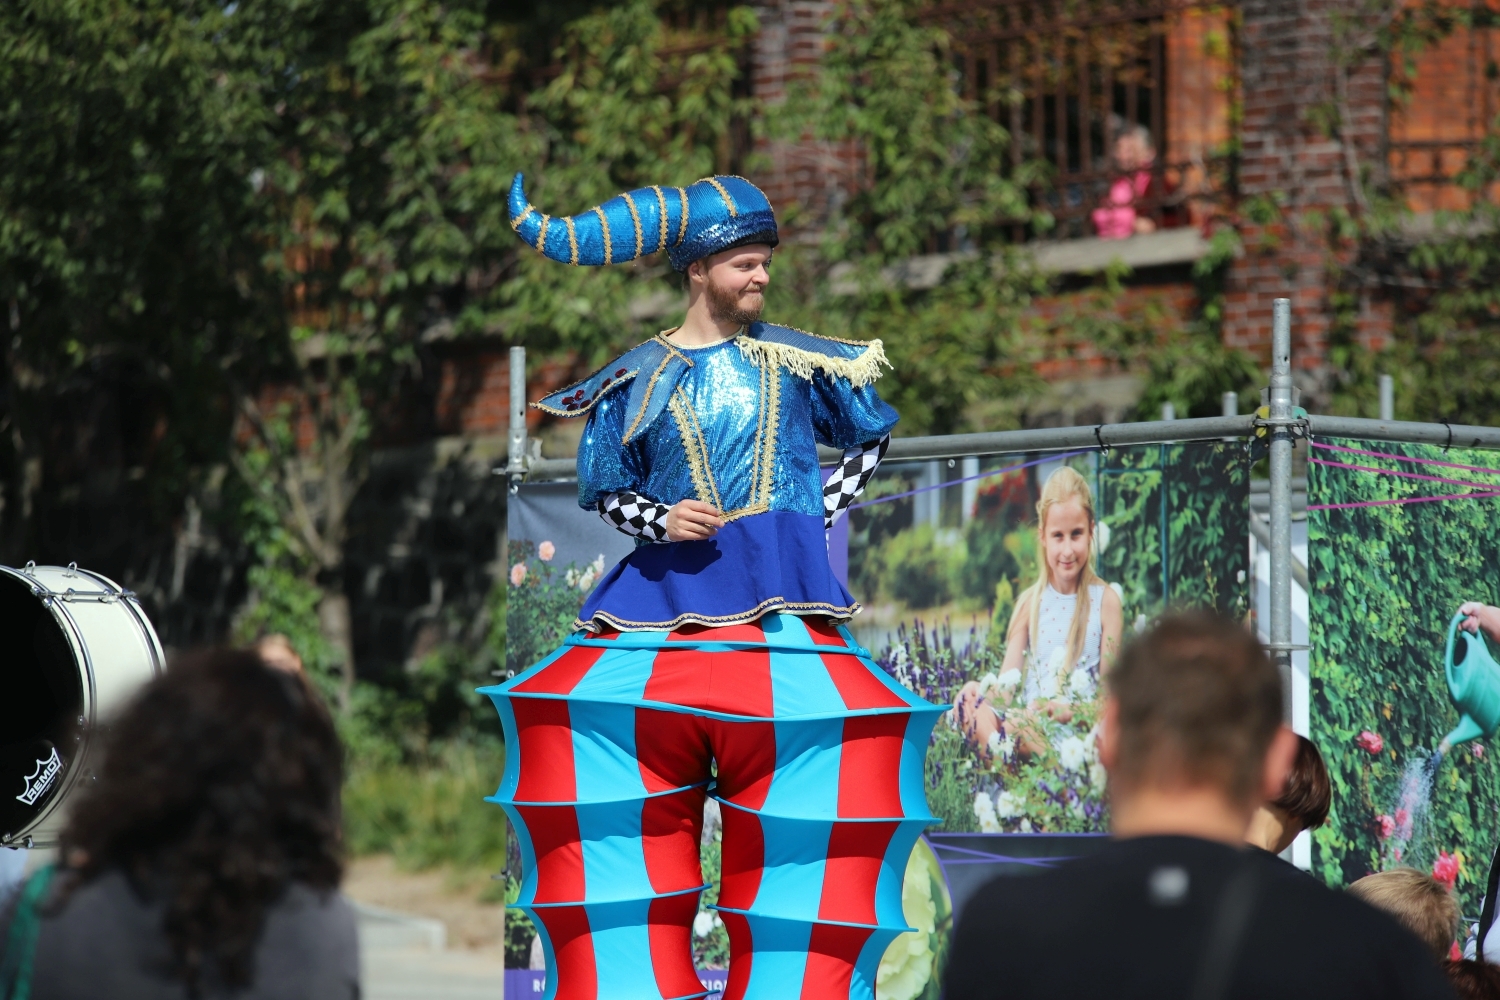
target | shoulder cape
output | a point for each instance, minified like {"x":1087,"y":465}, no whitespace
{"x":653,"y":369}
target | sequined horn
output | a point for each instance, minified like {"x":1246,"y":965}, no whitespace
{"x":627,"y":226}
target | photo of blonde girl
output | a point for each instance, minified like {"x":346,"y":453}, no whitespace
{"x":1062,"y":637}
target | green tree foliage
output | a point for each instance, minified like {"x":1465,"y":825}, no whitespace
{"x":1385,"y":582}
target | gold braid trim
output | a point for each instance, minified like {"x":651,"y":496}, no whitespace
{"x":646,"y":401}
{"x":609,"y":250}
{"x":771,"y":407}
{"x":661,"y":200}
{"x":860,"y":371}
{"x":682,"y":226}
{"x":692,"y":446}
{"x":724,"y":193}
{"x":541,"y":241}
{"x":572,"y":241}
{"x":516,"y":222}
{"x":635,"y":217}
{"x":770,"y":604}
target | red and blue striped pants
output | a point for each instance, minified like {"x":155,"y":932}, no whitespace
{"x":815,"y":755}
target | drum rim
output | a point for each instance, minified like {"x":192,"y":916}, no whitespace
{"x":56,"y":602}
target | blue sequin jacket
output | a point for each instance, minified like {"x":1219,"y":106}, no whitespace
{"x":736,"y":425}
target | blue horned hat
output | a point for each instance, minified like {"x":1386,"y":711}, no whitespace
{"x":714,"y":214}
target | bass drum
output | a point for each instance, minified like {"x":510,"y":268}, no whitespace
{"x":80,"y":646}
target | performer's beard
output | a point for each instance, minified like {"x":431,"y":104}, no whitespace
{"x":728,"y":306}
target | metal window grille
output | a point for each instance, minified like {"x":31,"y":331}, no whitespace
{"x":1066,"y":78}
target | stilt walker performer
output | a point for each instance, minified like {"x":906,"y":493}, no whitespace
{"x":713,"y":660}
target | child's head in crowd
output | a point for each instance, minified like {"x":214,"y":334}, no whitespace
{"x":1474,"y":980}
{"x":1417,"y":900}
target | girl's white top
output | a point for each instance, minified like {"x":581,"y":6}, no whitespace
{"x":1047,"y":676}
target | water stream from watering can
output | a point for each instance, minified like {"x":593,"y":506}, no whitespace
{"x":1409,"y":813}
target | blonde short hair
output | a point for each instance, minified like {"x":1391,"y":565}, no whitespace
{"x":1417,"y":900}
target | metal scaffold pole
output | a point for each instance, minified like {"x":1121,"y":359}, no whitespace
{"x":1281,"y":423}
{"x":515,"y":466}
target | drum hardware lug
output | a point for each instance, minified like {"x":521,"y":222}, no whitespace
{"x":72,"y":569}
{"x":30,"y":569}
{"x":5,"y":839}
{"x":29,"y":843}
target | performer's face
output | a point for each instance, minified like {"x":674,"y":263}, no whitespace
{"x":735,"y":281}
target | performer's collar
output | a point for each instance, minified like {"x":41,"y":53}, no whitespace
{"x":667,"y":336}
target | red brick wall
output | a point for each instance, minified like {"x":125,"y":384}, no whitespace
{"x":1286,"y":73}
{"x":809,"y":174}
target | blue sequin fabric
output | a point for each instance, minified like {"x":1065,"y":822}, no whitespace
{"x":736,"y":425}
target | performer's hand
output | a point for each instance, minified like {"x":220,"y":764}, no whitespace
{"x":692,"y":520}
{"x":1481,"y":616}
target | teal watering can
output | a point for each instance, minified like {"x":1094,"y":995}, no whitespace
{"x":1473,"y":684}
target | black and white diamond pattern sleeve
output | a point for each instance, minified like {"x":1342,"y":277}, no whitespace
{"x":851,"y":477}
{"x":635,"y":515}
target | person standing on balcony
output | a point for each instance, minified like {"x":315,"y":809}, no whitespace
{"x":1134,"y":159}
{"x":714,"y":659}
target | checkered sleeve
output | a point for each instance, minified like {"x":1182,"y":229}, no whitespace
{"x":635,"y":515}
{"x":851,"y":477}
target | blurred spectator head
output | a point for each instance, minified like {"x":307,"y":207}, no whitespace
{"x":1474,"y":980}
{"x":1416,"y":899}
{"x":1195,"y":703}
{"x":1302,"y":805}
{"x":219,"y":787}
{"x":1133,"y":148}
{"x":1308,"y":794}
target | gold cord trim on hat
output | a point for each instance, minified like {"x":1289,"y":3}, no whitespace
{"x":541,"y":241}
{"x":682,"y":226}
{"x":516,"y":222}
{"x":609,"y":250}
{"x":635,"y":217}
{"x":572,"y":241}
{"x":860,"y":371}
{"x":724,"y":193}
{"x":661,"y":200}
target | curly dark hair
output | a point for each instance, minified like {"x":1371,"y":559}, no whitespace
{"x":219,"y":786}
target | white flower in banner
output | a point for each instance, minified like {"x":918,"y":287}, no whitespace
{"x":586,"y":579}
{"x":1097,"y":775}
{"x":1008,"y":747}
{"x":1008,"y":679}
{"x":1081,"y":685}
{"x":984,"y":811}
{"x":1239,"y":577}
{"x":1072,"y":753}
{"x":993,"y":744}
{"x":571,"y":577}
{"x":1025,"y":826}
{"x":1140,"y":623}
{"x":598,"y":564}
{"x":1101,"y":537}
{"x":703,"y":924}
{"x":986,"y":683}
{"x":545,"y":551}
{"x":1052,"y":675}
{"x":1009,"y":806}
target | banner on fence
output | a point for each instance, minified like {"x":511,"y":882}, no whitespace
{"x":949,"y":579}
{"x":942,"y":555}
{"x":1399,"y":537}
